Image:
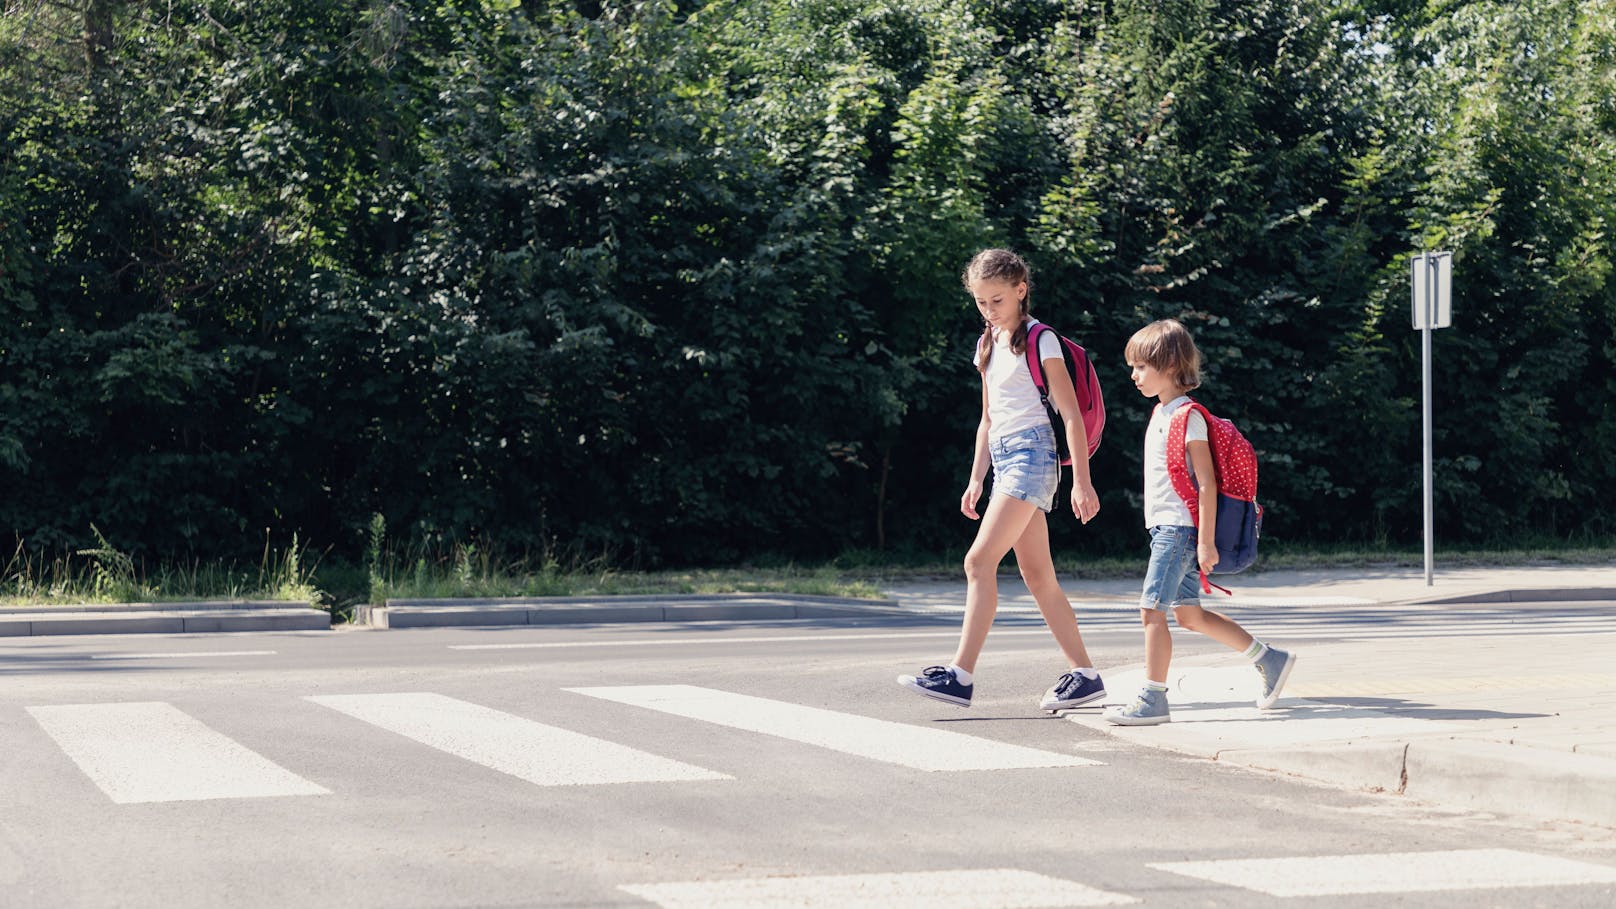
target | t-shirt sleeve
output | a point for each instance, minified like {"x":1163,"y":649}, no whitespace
{"x":1048,"y":347}
{"x":1195,"y":429}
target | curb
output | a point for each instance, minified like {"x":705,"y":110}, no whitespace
{"x":1481,"y":776}
{"x":429,"y":613}
{"x":167,"y":618}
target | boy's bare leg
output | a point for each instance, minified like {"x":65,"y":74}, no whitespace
{"x":1214,"y":625}
{"x":1005,"y":521}
{"x":1038,"y":570}
{"x":1158,"y":644}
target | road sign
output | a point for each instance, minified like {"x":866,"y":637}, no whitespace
{"x":1432,"y":281}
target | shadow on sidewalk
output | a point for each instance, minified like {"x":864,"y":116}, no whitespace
{"x":1336,"y":709}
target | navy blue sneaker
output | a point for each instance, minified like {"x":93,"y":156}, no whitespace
{"x":938,"y":682}
{"x":1072,"y":690}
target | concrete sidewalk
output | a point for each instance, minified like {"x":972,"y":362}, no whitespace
{"x":1518,"y":720}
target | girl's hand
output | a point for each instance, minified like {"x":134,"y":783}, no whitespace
{"x":973,"y":494}
{"x":1085,"y":501}
{"x":1206,"y":552}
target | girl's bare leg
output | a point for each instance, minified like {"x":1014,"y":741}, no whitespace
{"x":1003,"y":523}
{"x":1038,"y":570}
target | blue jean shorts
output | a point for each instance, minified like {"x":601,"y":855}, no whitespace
{"x":1174,"y":576}
{"x":1026,"y":467}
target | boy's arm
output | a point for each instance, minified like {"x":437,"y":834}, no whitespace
{"x":1206,"y":476}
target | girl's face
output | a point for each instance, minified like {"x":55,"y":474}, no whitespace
{"x":1151,"y":382}
{"x":999,"y":301}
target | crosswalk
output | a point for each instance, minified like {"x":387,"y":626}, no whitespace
{"x":153,"y":752}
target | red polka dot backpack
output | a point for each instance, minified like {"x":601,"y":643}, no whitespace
{"x":1239,"y":518}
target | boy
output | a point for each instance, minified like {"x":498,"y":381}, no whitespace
{"x":1166,"y":365}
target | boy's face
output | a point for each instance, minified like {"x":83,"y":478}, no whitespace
{"x":999,"y":301}
{"x":1151,"y":382}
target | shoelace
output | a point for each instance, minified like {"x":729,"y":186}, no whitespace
{"x":933,"y":672}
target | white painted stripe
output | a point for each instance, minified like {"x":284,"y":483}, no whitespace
{"x":180,"y":655}
{"x":1399,"y":872}
{"x":881,"y":740}
{"x":762,"y":639}
{"x":152,"y":752}
{"x":1001,"y":888}
{"x":543,"y":755}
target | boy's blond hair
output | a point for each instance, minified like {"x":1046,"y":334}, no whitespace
{"x":1166,"y":345}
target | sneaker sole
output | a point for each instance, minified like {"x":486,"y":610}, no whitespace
{"x":1264,"y":703}
{"x":935,"y":695}
{"x":1056,"y":706}
{"x":1138,"y":720}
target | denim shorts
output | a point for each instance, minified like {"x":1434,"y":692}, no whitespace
{"x":1174,"y":576}
{"x":1026,"y":467}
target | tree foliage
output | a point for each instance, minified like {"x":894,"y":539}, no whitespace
{"x":678,"y":282}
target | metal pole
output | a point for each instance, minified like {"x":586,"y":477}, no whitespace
{"x":1425,"y":357}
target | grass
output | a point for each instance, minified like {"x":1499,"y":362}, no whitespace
{"x":105,"y":575}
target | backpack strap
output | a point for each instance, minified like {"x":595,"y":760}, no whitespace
{"x":1178,"y":464}
{"x":1034,"y":364}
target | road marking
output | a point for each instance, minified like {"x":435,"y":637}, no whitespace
{"x":180,"y":655}
{"x":543,"y":755}
{"x":999,"y":888}
{"x":762,"y":639}
{"x":152,"y":752}
{"x":1398,"y":872}
{"x":881,"y":740}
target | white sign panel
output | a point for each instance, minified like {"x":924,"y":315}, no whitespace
{"x":1432,"y":279}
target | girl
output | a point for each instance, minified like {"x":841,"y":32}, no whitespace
{"x":1166,"y":365}
{"x":1015,"y":433}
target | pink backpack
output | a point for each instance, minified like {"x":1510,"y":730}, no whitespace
{"x":1087,"y":385}
{"x":1239,"y":518}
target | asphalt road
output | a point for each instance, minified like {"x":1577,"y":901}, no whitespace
{"x":676,"y":766}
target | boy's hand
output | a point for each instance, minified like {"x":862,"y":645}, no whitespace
{"x":1085,"y":501}
{"x":1206,"y":552}
{"x":972,"y":495}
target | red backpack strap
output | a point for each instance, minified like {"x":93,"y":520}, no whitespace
{"x":1177,"y":464}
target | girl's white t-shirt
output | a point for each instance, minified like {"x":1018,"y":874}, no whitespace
{"x":1163,"y":507}
{"x":1013,"y":404}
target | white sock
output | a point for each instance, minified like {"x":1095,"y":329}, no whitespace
{"x":960,"y":675}
{"x":1155,"y":686}
{"x":1255,"y":651}
{"x":1086,"y":671}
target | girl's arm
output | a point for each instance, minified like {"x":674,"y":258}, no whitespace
{"x":1085,"y":501}
{"x":979,"y":462}
{"x":1206,"y":475}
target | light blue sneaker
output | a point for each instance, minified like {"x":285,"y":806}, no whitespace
{"x":1148,"y":709}
{"x":1275,"y":668}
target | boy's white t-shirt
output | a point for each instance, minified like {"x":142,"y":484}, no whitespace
{"x":1013,"y":403}
{"x":1163,"y":507}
